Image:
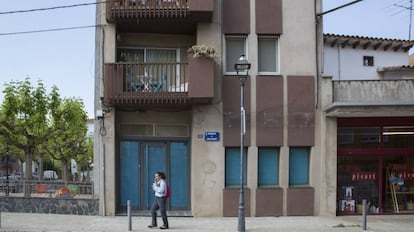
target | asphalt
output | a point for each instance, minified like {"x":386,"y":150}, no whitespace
{"x":74,"y":223}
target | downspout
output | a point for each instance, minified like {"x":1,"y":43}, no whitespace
{"x":317,"y":31}
{"x":339,"y":61}
{"x":103,"y":181}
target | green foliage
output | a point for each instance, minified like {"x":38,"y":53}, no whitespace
{"x":23,"y":118}
{"x":85,"y":161}
{"x":42,"y":126}
{"x":68,"y":141}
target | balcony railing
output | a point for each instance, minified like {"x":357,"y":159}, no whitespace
{"x":128,"y":9}
{"x":391,"y":91}
{"x":146,"y":83}
{"x":368,"y":98}
{"x":194,"y":10}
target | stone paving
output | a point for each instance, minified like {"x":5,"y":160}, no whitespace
{"x":24,"y":222}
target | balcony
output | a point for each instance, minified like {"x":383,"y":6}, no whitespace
{"x":360,"y":98}
{"x":145,"y":85}
{"x":193,"y":10}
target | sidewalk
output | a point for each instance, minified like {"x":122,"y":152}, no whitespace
{"x":73,"y":223}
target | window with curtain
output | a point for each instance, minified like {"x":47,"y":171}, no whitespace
{"x":155,"y":66}
{"x":268,"y":55}
{"x":235,"y":46}
{"x":268,"y":167}
{"x":147,"y":55}
{"x":232,"y":166}
{"x":299,"y":166}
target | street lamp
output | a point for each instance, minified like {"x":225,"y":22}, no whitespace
{"x":242,"y":68}
{"x":7,"y":169}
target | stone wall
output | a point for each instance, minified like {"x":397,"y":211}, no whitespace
{"x":49,"y":205}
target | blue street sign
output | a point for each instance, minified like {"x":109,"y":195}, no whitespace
{"x":212,"y":136}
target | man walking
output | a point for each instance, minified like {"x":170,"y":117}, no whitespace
{"x":160,"y":202}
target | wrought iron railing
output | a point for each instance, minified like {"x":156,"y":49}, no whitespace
{"x":124,"y":9}
{"x":46,"y":188}
{"x":150,"y":83}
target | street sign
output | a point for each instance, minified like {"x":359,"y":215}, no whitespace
{"x":212,"y":136}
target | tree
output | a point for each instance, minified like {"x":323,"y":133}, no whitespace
{"x":85,"y":161}
{"x":68,"y":141}
{"x":23,"y":118}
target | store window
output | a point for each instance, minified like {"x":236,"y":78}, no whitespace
{"x":232,"y":166}
{"x":351,"y":137}
{"x":299,"y":166}
{"x":375,"y":137}
{"x":268,"y":55}
{"x":376,"y":164}
{"x":401,"y":137}
{"x":357,"y":181}
{"x":268,"y":167}
{"x":235,"y":46}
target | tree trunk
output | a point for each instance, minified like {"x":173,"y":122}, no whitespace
{"x":28,"y":171}
{"x":65,"y":171}
{"x":40,"y":171}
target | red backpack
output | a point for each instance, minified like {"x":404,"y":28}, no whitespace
{"x":168,"y":192}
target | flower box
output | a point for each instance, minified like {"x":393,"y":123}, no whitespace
{"x":201,"y":77}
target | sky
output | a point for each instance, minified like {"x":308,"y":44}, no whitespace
{"x":372,"y":18}
{"x":61,"y":58}
{"x":66,"y":58}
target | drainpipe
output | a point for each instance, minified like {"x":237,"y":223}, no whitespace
{"x":339,"y":61}
{"x":103,"y":182}
{"x":318,"y":24}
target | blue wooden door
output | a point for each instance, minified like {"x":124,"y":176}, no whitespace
{"x":128,"y":175}
{"x":139,"y":160}
{"x":154,"y":158}
{"x":179,"y":178}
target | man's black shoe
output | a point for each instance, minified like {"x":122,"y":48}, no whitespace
{"x":164,"y":227}
{"x":152,"y":226}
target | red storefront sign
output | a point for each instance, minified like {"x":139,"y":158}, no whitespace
{"x":406,"y":175}
{"x":361,"y":176}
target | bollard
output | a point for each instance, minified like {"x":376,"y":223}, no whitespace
{"x":364,"y":214}
{"x":129,"y":215}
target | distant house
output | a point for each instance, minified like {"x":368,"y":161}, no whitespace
{"x":9,"y":165}
{"x":91,"y":128}
{"x":367,"y":96}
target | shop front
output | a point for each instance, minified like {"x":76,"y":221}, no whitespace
{"x":376,"y":164}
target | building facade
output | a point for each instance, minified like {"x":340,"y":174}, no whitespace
{"x":368,"y":119}
{"x":160,"y":108}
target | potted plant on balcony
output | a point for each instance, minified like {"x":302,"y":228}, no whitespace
{"x":202,"y":51}
{"x":201,"y":70}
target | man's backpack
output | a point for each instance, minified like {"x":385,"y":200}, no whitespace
{"x":168,"y":192}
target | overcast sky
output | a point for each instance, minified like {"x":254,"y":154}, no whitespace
{"x":372,"y":18}
{"x":61,"y":58}
{"x":66,"y":58}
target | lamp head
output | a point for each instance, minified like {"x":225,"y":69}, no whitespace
{"x":242,"y":66}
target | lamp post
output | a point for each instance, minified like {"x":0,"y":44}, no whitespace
{"x":7,"y":169}
{"x":242,"y":68}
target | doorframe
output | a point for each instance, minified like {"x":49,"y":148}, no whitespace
{"x":139,"y":139}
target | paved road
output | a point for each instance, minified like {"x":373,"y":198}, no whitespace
{"x":73,"y":223}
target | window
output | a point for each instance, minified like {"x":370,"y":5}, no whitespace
{"x":235,"y":46}
{"x":298,"y":166}
{"x":147,"y":55}
{"x":268,"y":52}
{"x":368,"y":61}
{"x":268,"y":167}
{"x":150,"y":69}
{"x":232,"y":166}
